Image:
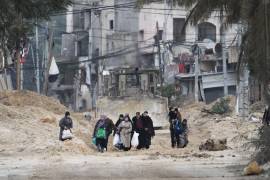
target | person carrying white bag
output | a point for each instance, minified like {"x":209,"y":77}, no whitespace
{"x":135,"y":140}
{"x":65,"y":124}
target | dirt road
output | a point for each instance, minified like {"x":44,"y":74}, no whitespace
{"x":125,"y":167}
{"x":155,"y":163}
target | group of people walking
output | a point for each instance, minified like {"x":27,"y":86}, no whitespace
{"x":124,"y":128}
{"x":140,"y":127}
{"x":178,"y":128}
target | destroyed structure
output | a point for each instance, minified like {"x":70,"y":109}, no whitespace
{"x":123,"y":51}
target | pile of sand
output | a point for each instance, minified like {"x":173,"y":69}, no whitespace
{"x":28,"y":98}
{"x":29,"y":125}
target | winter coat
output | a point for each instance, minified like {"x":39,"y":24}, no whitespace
{"x":99,"y":124}
{"x":104,"y":123}
{"x":109,"y":125}
{"x":172,"y":115}
{"x":66,"y":123}
{"x":118,"y":122}
{"x":125,"y":133}
{"x":137,"y":123}
{"x":148,"y":125}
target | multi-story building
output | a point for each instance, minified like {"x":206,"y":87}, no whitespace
{"x":113,"y":49}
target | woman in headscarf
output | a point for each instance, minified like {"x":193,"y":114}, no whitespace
{"x":125,"y":129}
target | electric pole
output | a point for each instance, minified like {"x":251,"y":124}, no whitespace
{"x":224,"y":58}
{"x":18,"y":57}
{"x":37,"y":61}
{"x":18,"y":68}
{"x":46,"y":78}
{"x":157,"y":41}
{"x":196,"y":82}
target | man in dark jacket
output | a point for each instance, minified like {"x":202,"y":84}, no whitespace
{"x":65,"y":123}
{"x":148,"y":131}
{"x":172,"y":117}
{"x":110,"y":127}
{"x":138,"y":127}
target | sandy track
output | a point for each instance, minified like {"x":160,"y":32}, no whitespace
{"x":126,"y":167}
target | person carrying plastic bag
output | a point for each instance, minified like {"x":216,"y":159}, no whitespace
{"x":125,"y":129}
{"x":65,"y":124}
{"x":99,"y":134}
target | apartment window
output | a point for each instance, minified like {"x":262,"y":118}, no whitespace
{"x":111,"y":25}
{"x":207,"y":31}
{"x":179,"y":34}
{"x":141,"y":35}
{"x":151,"y":78}
{"x":83,"y":46}
{"x":160,"y":33}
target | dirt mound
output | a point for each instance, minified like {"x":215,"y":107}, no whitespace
{"x":29,"y":125}
{"x":28,"y":98}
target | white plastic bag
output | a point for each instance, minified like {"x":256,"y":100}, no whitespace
{"x":116,"y":139}
{"x":135,"y":140}
{"x":66,"y":134}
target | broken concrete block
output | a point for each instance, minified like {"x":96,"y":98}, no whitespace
{"x":253,"y":168}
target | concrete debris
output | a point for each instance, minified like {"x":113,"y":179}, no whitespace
{"x":214,"y":145}
{"x":253,"y":168}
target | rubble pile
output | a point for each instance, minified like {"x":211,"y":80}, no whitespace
{"x":29,"y":125}
{"x":214,"y":145}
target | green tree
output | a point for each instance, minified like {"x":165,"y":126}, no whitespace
{"x":17,"y":18}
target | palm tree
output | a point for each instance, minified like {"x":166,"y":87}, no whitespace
{"x":253,"y":16}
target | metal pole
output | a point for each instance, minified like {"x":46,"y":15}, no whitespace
{"x":21,"y":76}
{"x":157,"y":39}
{"x":18,"y":69}
{"x":37,"y":61}
{"x":196,"y":85}
{"x":224,"y":58}
{"x":50,"y":55}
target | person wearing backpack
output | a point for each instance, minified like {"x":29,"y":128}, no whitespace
{"x":177,"y":127}
{"x":100,"y":135}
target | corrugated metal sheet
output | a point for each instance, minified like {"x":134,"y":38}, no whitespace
{"x":217,"y":80}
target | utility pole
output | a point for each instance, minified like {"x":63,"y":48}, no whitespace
{"x":224,"y":58}
{"x":21,"y":74}
{"x":37,"y":61}
{"x":90,"y":56}
{"x":157,"y":41}
{"x":196,"y":85}
{"x":46,"y":78}
{"x":18,"y":56}
{"x":18,"y":68}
